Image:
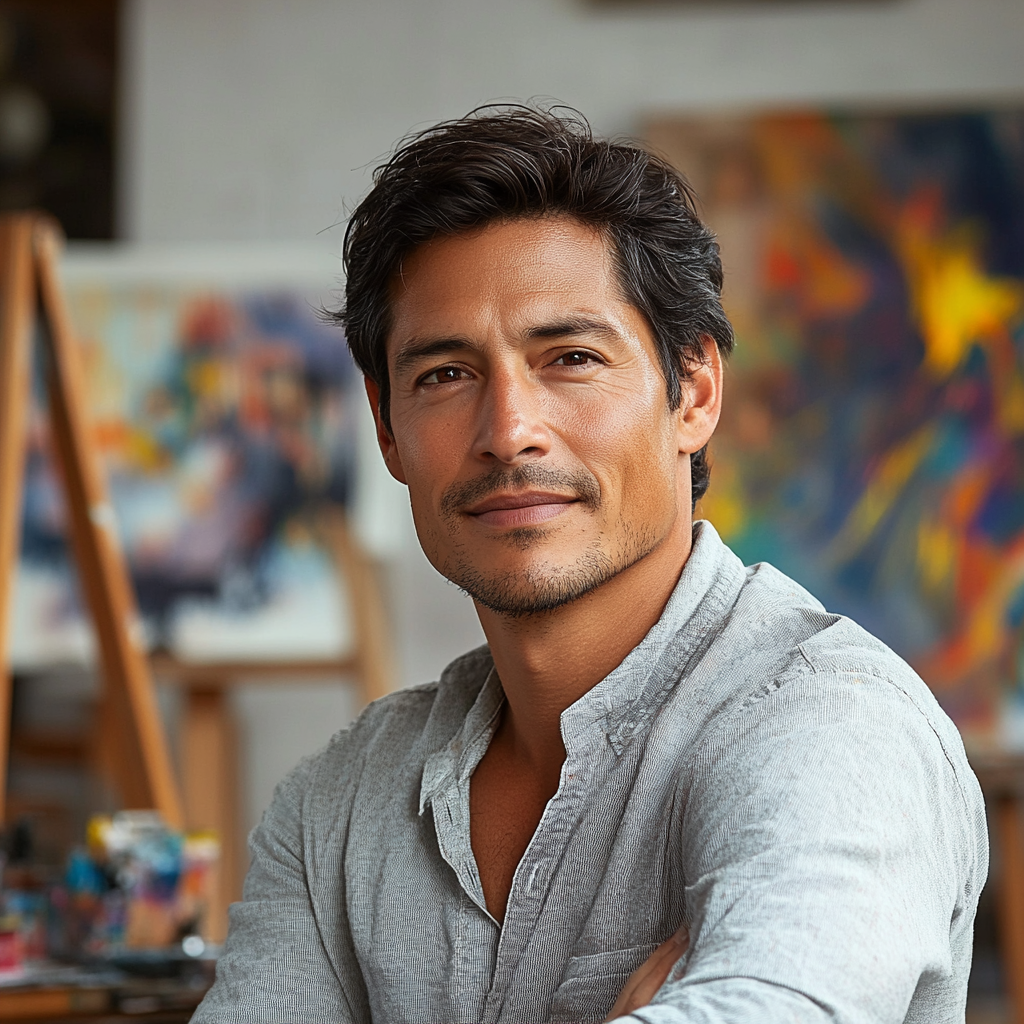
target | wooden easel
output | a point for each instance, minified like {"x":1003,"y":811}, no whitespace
{"x":29,"y":247}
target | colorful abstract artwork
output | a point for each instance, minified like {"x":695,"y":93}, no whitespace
{"x":224,"y":420}
{"x":873,"y":440}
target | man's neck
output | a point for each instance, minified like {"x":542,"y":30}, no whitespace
{"x":546,"y":662}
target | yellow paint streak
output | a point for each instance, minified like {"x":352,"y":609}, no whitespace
{"x":1009,"y":391}
{"x":146,"y":453}
{"x":881,"y":492}
{"x":937,"y":548}
{"x":985,"y":632}
{"x":956,"y":303}
{"x":723,"y":503}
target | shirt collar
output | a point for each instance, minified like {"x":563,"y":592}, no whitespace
{"x":456,"y":759}
{"x":630,"y":695}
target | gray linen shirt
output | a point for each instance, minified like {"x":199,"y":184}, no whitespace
{"x":760,"y":769}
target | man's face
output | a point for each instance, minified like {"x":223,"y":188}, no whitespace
{"x":529,"y":415}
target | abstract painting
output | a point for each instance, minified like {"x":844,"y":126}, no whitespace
{"x":873,"y":441}
{"x":224,"y":419}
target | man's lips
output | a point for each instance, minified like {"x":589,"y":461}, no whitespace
{"x":523,"y":508}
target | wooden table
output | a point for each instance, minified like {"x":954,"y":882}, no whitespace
{"x":131,"y":1001}
{"x":1001,"y":775}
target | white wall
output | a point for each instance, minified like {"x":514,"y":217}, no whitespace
{"x":258,"y":119}
{"x":261,"y":120}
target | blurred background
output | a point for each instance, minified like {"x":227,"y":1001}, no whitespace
{"x":863,"y":164}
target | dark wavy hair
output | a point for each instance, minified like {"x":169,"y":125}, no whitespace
{"x":503,"y":163}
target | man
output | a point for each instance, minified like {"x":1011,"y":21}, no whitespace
{"x":669,"y":786}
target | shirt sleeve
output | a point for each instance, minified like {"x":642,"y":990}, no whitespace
{"x":834,"y":862}
{"x":275,"y":967}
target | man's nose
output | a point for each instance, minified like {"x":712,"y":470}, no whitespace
{"x":512,"y":424}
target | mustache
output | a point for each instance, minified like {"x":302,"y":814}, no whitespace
{"x":520,"y":478}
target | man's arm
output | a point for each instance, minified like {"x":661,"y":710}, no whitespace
{"x":643,"y":984}
{"x":835,"y":859}
{"x":275,"y":966}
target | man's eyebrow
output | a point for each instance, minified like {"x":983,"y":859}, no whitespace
{"x":567,"y":326}
{"x":414,"y":352}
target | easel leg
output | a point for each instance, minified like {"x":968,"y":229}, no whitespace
{"x":209,"y":758}
{"x":373,"y":650}
{"x":1011,"y":899}
{"x":29,"y":246}
{"x":15,"y":385}
{"x":113,"y":759}
{"x":102,"y":570}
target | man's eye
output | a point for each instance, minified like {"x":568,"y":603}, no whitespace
{"x":443,"y":375}
{"x":575,"y":359}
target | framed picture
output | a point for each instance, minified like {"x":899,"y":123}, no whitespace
{"x":222,"y":404}
{"x":872,"y":445}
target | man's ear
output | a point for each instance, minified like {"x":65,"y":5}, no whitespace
{"x":697,"y":415}
{"x":388,"y":448}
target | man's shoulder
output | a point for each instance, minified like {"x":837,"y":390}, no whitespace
{"x":789,"y":631}
{"x":795,"y":661}
{"x":777,"y":636}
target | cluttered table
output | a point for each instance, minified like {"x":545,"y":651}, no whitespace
{"x":118,"y":936}
{"x":94,"y":997}
{"x":161,"y":987}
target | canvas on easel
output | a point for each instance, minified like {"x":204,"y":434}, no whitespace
{"x":29,"y":285}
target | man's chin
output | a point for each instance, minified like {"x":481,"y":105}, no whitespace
{"x":539,"y":588}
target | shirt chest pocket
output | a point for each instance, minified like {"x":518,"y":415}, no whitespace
{"x":591,"y":984}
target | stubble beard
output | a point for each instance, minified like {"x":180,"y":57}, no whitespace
{"x":541,"y":586}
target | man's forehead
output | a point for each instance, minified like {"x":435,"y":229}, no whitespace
{"x":538,"y":272}
{"x":517,"y":229}
{"x":510,"y":248}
